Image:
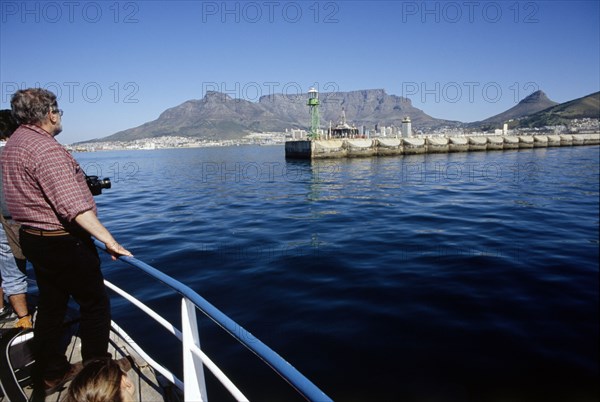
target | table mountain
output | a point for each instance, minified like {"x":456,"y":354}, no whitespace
{"x":219,"y":116}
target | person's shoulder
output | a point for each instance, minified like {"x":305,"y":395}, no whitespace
{"x":34,"y":147}
{"x":21,"y":135}
{"x":23,"y":131}
{"x":30,"y":138}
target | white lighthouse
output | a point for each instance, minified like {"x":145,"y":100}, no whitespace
{"x":406,"y":127}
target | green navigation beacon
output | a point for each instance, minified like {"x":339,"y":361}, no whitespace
{"x":313,"y":104}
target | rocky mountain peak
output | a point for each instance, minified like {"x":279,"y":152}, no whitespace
{"x":531,"y":104}
{"x":535,"y":97}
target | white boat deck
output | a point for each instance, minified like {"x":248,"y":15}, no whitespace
{"x":150,"y":386}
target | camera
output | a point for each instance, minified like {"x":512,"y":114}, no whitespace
{"x":96,"y":185}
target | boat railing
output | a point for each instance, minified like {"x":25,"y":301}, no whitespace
{"x":194,"y":359}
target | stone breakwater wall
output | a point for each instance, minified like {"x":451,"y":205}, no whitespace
{"x":361,"y":147}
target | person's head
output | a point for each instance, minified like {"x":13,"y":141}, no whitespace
{"x":101,"y":380}
{"x":39,"y":107}
{"x":7,"y":124}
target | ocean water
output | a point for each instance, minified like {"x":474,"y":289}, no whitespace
{"x":450,"y":277}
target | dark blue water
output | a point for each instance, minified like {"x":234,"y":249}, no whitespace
{"x":451,"y":277}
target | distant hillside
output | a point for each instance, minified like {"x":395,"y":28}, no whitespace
{"x":218,"y":116}
{"x":531,"y":104}
{"x":585,"y":107}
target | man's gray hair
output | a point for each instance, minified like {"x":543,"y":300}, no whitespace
{"x":31,"y":106}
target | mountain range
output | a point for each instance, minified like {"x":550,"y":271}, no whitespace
{"x":533,"y":103}
{"x":580,"y":108}
{"x":218,"y":116}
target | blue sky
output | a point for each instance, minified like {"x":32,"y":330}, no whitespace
{"x":118,"y":64}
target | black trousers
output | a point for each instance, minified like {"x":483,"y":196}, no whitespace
{"x":67,"y":266}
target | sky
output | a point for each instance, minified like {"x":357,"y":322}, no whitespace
{"x":115,"y":65}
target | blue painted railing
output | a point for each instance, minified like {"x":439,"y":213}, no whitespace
{"x":302,"y":384}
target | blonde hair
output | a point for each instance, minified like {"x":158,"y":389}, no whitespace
{"x":98,"y":381}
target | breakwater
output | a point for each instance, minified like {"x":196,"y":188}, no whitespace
{"x":364,"y":147}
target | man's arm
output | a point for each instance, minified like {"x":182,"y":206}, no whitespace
{"x":89,"y":221}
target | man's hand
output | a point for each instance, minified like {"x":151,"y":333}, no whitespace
{"x":116,"y":250}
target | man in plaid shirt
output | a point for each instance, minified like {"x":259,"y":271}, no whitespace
{"x":46,"y":192}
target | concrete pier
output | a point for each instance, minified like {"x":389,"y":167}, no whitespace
{"x":554,"y":141}
{"x":540,"y":141}
{"x":361,"y":147}
{"x":458,"y":144}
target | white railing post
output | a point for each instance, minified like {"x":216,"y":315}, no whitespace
{"x":194,"y":387}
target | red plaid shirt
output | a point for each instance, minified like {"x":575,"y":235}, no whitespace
{"x":43,"y":184}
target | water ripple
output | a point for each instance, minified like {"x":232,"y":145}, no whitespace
{"x":465,"y":273}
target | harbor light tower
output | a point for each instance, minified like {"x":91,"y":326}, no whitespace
{"x":406,"y":127}
{"x":313,"y":105}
